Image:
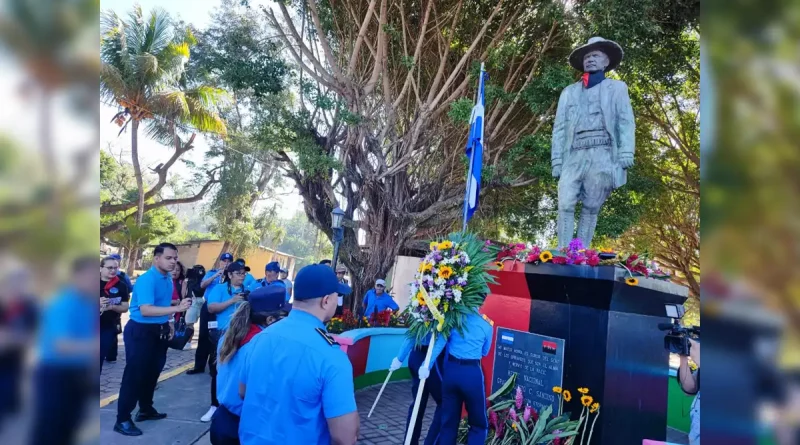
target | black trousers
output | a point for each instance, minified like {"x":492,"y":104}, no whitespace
{"x":62,"y":394}
{"x":145,"y":356}
{"x":202,"y":354}
{"x":214,"y":336}
{"x":224,"y":428}
{"x":108,"y":344}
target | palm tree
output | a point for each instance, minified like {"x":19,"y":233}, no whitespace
{"x":143,"y":72}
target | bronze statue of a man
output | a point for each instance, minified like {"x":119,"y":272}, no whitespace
{"x":593,"y":139}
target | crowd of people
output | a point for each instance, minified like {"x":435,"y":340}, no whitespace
{"x":291,"y":385}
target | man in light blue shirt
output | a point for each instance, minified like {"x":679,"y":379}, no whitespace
{"x":261,"y":309}
{"x":463,"y":380}
{"x":271,"y":272}
{"x":68,"y":350}
{"x":297,"y":384}
{"x":377,"y":300}
{"x":146,"y":336}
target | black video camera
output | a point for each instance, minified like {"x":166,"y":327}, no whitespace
{"x":677,"y":339}
{"x":196,"y":273}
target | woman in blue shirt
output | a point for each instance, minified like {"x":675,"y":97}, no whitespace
{"x":262,"y":308}
{"x":223,"y":300}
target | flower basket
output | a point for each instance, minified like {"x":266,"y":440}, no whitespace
{"x":452,"y":280}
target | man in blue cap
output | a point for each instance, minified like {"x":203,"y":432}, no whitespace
{"x":203,"y":353}
{"x":297,"y":384}
{"x":271,"y":272}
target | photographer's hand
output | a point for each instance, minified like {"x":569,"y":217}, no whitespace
{"x":687,"y":380}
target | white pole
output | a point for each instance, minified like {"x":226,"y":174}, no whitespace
{"x":414,"y":413}
{"x":374,"y":404}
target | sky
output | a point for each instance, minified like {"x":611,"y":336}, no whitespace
{"x":196,"y":12}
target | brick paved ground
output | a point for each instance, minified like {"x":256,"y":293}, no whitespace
{"x":111,"y":376}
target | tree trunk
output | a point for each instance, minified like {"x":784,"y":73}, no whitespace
{"x":137,"y":172}
{"x":45,"y":130}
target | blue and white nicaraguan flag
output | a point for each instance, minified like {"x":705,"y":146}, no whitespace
{"x":475,"y":151}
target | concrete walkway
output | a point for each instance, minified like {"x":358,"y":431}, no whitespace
{"x":185,"y":398}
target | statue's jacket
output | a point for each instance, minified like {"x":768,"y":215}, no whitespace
{"x":617,"y":115}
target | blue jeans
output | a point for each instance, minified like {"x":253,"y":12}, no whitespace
{"x":694,"y":414}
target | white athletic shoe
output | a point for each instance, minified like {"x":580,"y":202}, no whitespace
{"x":188,"y":347}
{"x":207,"y":416}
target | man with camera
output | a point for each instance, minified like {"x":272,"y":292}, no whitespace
{"x":690,"y":384}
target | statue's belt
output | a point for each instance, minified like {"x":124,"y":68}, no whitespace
{"x":584,"y":143}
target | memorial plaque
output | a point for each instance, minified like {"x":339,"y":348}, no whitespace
{"x":538,"y":361}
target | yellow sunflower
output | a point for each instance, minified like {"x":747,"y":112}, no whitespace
{"x":499,"y":265}
{"x":557,"y":389}
{"x":446,"y":244}
{"x":630,"y":281}
{"x":583,"y":390}
{"x":567,"y":395}
{"x":420,"y":298}
{"x":545,"y":256}
{"x":425,"y":267}
{"x":445,"y":272}
{"x":595,"y":407}
{"x":433,"y":245}
{"x":586,"y":400}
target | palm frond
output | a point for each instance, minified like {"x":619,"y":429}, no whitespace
{"x":169,"y":103}
{"x":112,"y":84}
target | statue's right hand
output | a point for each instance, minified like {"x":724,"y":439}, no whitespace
{"x":557,"y":171}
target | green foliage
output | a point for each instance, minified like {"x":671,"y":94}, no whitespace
{"x":304,"y":240}
{"x":548,"y":84}
{"x":461,"y":110}
{"x":234,"y":52}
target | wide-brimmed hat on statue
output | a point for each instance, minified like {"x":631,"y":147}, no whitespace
{"x":609,"y":47}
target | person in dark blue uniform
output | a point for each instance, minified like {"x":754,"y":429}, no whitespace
{"x":205,"y":350}
{"x":433,"y":384}
{"x":146,"y":336}
{"x":262,"y":308}
{"x":297,"y":384}
{"x":271,"y":273}
{"x":463,"y":380}
{"x":67,"y":372}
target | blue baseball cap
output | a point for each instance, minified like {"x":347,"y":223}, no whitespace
{"x":268,"y":299}
{"x":115,"y":256}
{"x":316,"y":281}
{"x":226,"y":257}
{"x":273,"y":267}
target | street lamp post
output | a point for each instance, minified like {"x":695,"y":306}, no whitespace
{"x":337,"y":215}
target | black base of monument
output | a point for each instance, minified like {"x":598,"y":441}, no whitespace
{"x":611,"y":345}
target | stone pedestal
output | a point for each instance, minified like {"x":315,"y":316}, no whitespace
{"x":611,"y":341}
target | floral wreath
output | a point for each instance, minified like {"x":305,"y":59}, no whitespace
{"x":452,"y":280}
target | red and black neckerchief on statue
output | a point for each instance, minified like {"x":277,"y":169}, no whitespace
{"x":591,"y":79}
